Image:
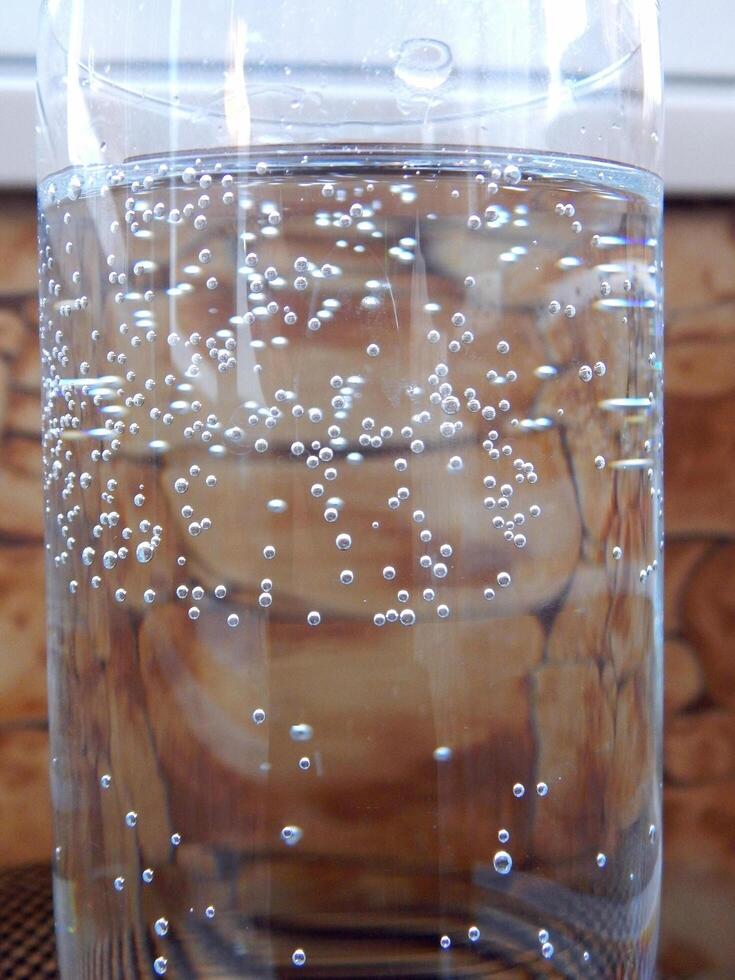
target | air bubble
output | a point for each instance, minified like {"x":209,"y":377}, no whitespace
{"x":301,"y":733}
{"x":144,"y":552}
{"x":291,"y":835}
{"x":502,"y":862}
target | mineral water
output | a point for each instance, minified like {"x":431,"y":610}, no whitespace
{"x":353,"y":498}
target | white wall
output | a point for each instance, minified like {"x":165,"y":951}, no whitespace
{"x":699,"y":58}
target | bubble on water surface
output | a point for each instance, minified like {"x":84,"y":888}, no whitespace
{"x":423,"y":64}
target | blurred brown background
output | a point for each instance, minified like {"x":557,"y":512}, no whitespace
{"x":699,"y":894}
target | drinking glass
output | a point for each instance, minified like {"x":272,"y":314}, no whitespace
{"x":351,"y":336}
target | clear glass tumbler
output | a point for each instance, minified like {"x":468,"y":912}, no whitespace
{"x":351,"y":341}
